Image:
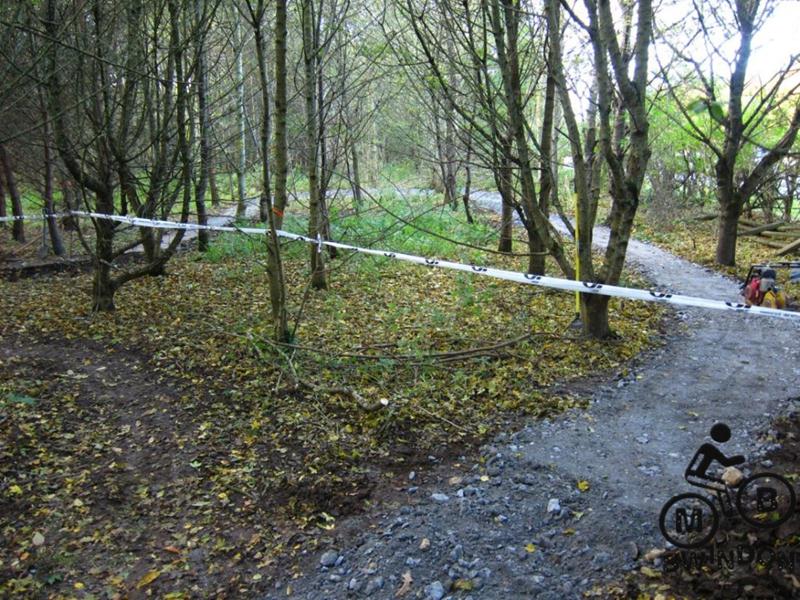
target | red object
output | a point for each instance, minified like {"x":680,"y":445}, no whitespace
{"x":752,"y":293}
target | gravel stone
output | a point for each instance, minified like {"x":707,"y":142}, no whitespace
{"x":435,"y":590}
{"x":329,"y":558}
{"x":373,"y":585}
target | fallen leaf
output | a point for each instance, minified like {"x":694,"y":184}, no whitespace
{"x":148,"y":578}
{"x":530,"y":548}
{"x":38,"y":539}
{"x":583,"y":485}
{"x":650,"y":572}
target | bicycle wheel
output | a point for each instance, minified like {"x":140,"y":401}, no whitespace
{"x":688,"y":520}
{"x":766,"y":500}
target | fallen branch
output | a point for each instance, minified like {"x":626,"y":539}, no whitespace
{"x":786,"y":235}
{"x":769,"y":242}
{"x":758,"y":229}
{"x":795,"y":245}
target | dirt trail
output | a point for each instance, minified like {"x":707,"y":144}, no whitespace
{"x":631,"y":445}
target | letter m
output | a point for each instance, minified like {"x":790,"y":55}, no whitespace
{"x":686,"y":523}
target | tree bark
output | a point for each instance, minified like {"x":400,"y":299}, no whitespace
{"x":468,"y":180}
{"x":277,"y":287}
{"x":212,"y":183}
{"x":3,"y":212}
{"x":18,"y":226}
{"x":203,"y":119}
{"x":317,"y":257}
{"x":241,"y":172}
{"x":728,"y":233}
{"x":355,"y":179}
{"x":49,"y":205}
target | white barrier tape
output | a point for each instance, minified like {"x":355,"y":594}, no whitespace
{"x":34,"y":217}
{"x":566,"y":285}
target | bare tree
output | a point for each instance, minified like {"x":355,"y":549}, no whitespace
{"x":102,"y":146}
{"x":708,"y":106}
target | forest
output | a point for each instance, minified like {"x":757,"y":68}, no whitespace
{"x":295,"y":293}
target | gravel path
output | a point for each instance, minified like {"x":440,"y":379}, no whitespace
{"x":515,"y":525}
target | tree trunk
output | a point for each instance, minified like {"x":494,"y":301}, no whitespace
{"x":49,"y":205}
{"x":212,"y":183}
{"x":355,"y":179}
{"x":503,"y":181}
{"x":468,"y":180}
{"x":203,"y":118}
{"x":726,"y":240}
{"x":18,"y":227}
{"x":450,"y":195}
{"x":265,"y":201}
{"x":594,"y":316}
{"x":317,"y":262}
{"x":277,"y":287}
{"x":3,"y":212}
{"x":241,"y":172}
{"x":103,"y":288}
{"x":326,"y":165}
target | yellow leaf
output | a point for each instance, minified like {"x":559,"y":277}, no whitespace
{"x":530,"y":548}
{"x":78,"y":585}
{"x":569,"y":531}
{"x":15,"y":490}
{"x":148,"y":578}
{"x":463,"y":584}
{"x":650,"y":572}
{"x":583,"y":485}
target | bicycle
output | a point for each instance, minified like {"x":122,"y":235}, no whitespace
{"x":763,"y":500}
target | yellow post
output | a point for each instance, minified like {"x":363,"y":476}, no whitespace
{"x":577,"y":256}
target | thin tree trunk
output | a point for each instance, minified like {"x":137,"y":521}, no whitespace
{"x":265,"y":200}
{"x":3,"y":212}
{"x":355,"y":181}
{"x":325,"y":164}
{"x":277,"y":288}
{"x":504,"y":186}
{"x":18,"y":227}
{"x":241,"y":172}
{"x":212,"y":183}
{"x":103,"y":288}
{"x":317,"y":262}
{"x":202,"y":107}
{"x":468,"y":179}
{"x":49,"y":205}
